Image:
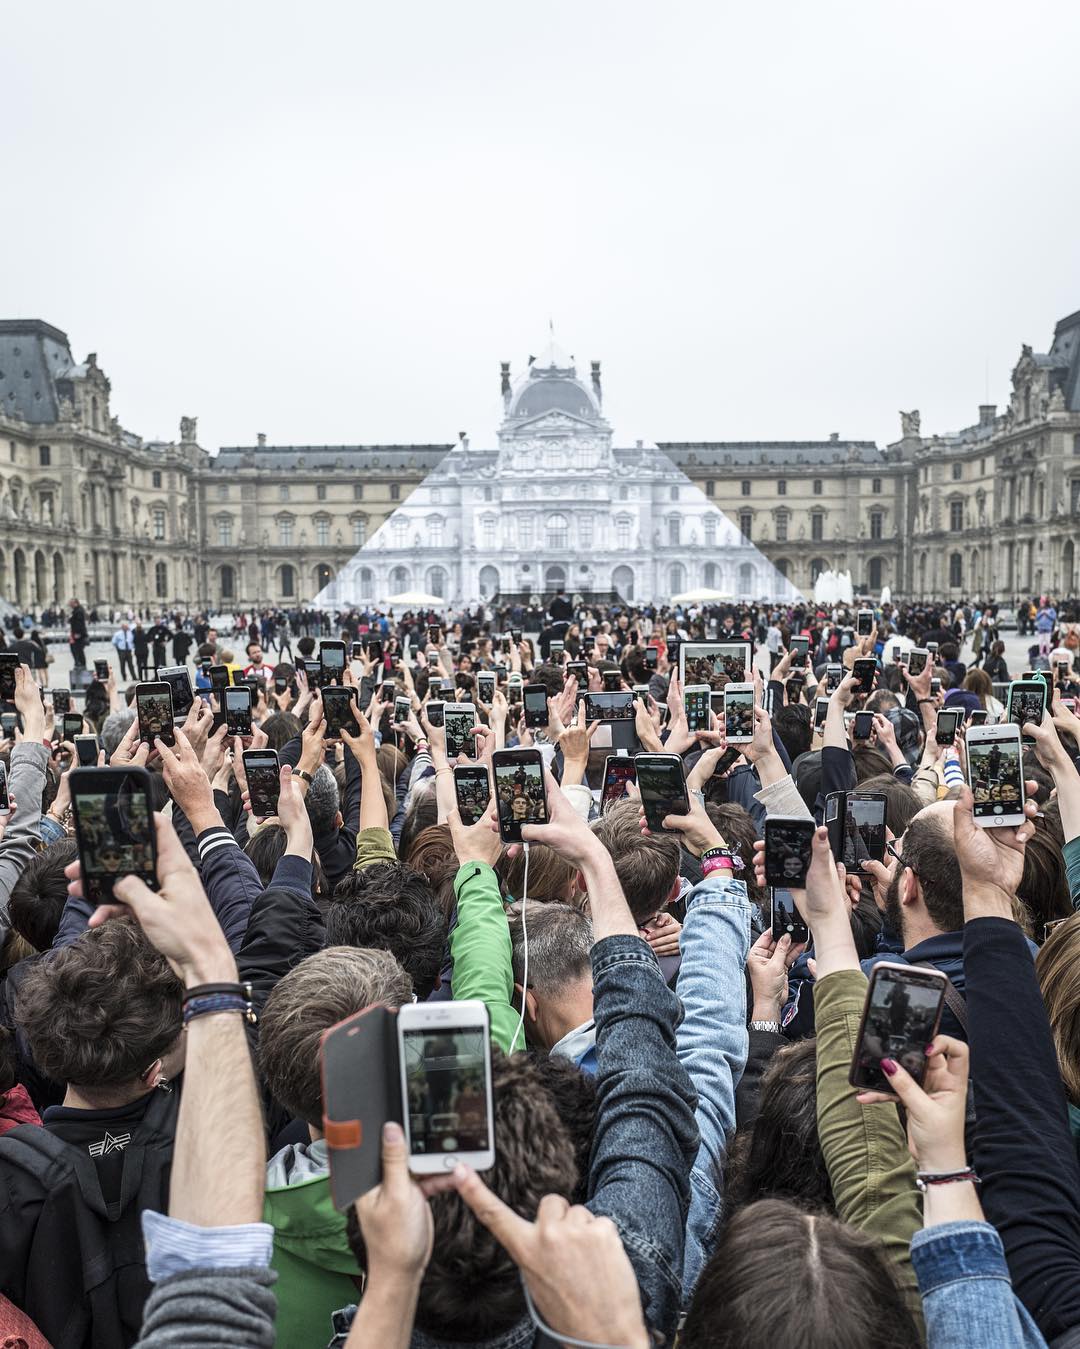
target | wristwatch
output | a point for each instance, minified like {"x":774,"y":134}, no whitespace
{"x":773,"y":1026}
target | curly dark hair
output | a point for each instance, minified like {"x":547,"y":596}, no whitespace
{"x":99,"y":1012}
{"x":390,"y":907}
{"x":39,"y":895}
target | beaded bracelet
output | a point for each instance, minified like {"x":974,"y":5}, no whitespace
{"x":218,"y":1002}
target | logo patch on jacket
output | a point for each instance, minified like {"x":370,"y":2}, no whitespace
{"x":110,"y":1143}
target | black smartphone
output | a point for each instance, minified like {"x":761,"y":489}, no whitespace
{"x":313,"y":671}
{"x":726,"y":760}
{"x":651,"y":657}
{"x":662,"y":788}
{"x":519,"y":791}
{"x":786,"y":918}
{"x":900,"y":1018}
{"x":800,"y":649}
{"x":356,"y":651}
{"x":579,"y":669}
{"x":218,"y":676}
{"x":588,"y":643}
{"x":434,"y":633}
{"x":935,"y":687}
{"x":114,"y":827}
{"x":864,"y":670}
{"x":61,"y":701}
{"x":863,"y":726}
{"x":535,"y":699}
{"x":71,"y":726}
{"x":515,"y":636}
{"x":375,"y":649}
{"x":1027,"y":700}
{"x":978,"y":717}
{"x":281,"y":683}
{"x":154,"y":708}
{"x":672,"y":645}
{"x":263,"y":772}
{"x":238,"y":707}
{"x":865,"y":818}
{"x":9,"y":723}
{"x":179,"y":681}
{"x":612,"y":681}
{"x":9,"y":663}
{"x":485,"y":685}
{"x":332,"y":662}
{"x":86,"y":750}
{"x":472,"y":787}
{"x":101,"y":670}
{"x":338,"y":702}
{"x":619,"y":770}
{"x":556,"y":647}
{"x":948,"y":723}
{"x":788,"y":841}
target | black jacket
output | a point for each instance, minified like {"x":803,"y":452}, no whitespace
{"x":78,"y":624}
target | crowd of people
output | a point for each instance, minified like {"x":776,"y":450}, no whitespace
{"x":678,"y":1150}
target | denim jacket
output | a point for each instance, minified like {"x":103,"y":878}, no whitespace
{"x":967,"y":1297}
{"x":713,"y":1044}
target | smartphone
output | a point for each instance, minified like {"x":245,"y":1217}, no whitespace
{"x":71,"y":726}
{"x":612,"y":681}
{"x":459,"y":719}
{"x":619,"y":769}
{"x":948,"y":723}
{"x":978,"y":717}
{"x":519,"y":791}
{"x":833,"y":675}
{"x":865,"y":816}
{"x":263,"y":773}
{"x":114,"y":827}
{"x":446,"y":1097}
{"x":61,"y":701}
{"x":917,"y":659}
{"x":387,"y":691}
{"x":433,"y":660}
{"x":864,"y":670}
{"x":787,"y":850}
{"x":864,"y":622}
{"x":663,"y":788}
{"x":651,"y":657}
{"x":485,"y":685}
{"x":338,"y":702}
{"x":331,"y":662}
{"x":154,"y":708}
{"x":238,"y":706}
{"x":900,"y":1018}
{"x":672,"y":646}
{"x":535,"y":698}
{"x":935,"y":687}
{"x":218,"y":676}
{"x":862,"y":727}
{"x":579,"y":669}
{"x":821,"y":711}
{"x":726,"y":760}
{"x":588,"y":642}
{"x":472,"y":787}
{"x":9,"y":723}
{"x":86,"y":750}
{"x":786,"y":918}
{"x":800,"y":649}
{"x":433,"y":710}
{"x":609,"y":706}
{"x":375,"y":649}
{"x":9,"y":663}
{"x":356,"y":651}
{"x":402,"y":708}
{"x":932,"y":648}
{"x":101,"y":670}
{"x":556,"y":646}
{"x":179,"y":681}
{"x":5,"y":808}
{"x":739,"y":713}
{"x":1026,"y":702}
{"x":434,"y":634}
{"x":696,"y":703}
{"x":995,"y":774}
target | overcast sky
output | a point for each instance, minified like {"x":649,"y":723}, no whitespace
{"x":330,"y":222}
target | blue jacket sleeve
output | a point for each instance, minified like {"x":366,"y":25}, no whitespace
{"x":231,"y":881}
{"x":646,"y":1137}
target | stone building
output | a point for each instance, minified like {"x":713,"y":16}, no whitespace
{"x":89,"y":508}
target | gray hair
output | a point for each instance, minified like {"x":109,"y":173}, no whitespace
{"x":323,"y":800}
{"x":560,"y":945}
{"x":114,"y":728}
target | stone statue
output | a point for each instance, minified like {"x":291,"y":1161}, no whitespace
{"x":189,"y":428}
{"x":910,"y":423}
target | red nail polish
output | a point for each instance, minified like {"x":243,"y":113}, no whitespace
{"x":888,"y":1067}
{"x":929,"y":1049}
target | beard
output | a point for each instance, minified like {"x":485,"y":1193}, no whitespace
{"x":894,"y":909}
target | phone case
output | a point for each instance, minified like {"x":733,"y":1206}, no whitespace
{"x":361,"y":1087}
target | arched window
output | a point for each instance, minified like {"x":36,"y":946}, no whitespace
{"x":817,"y":566}
{"x":489,"y":582}
{"x":367,"y":582}
{"x":228,"y":583}
{"x":622,"y":582}
{"x":956,"y":571}
{"x":400,"y":580}
{"x":622,"y":531}
{"x":161,"y":580}
{"x":712,"y":576}
{"x":558,"y":531}
{"x":783,"y":566}
{"x":287,"y":581}
{"x":437,"y":581}
{"x":676,"y":578}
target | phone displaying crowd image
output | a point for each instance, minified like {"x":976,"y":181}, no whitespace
{"x":800,"y":648}
{"x":114,"y":828}
{"x":485,"y":685}
{"x":833,"y":675}
{"x":61,"y":701}
{"x":821,"y":711}
{"x":101,"y":670}
{"x":900,"y":1018}
{"x":472,"y":788}
{"x":459,"y":720}
{"x":917,"y":658}
{"x":739,"y":713}
{"x":864,"y":670}
{"x":786,"y":919}
{"x":338,"y":702}
{"x":864,"y":622}
{"x":9,"y":663}
{"x":519,"y":791}
{"x":263,"y":774}
{"x":579,"y":669}
{"x":864,"y":830}
{"x":995,"y":775}
{"x":433,"y":710}
{"x":662,"y":787}
{"x":179,"y":682}
{"x":787,"y":850}
{"x":1027,"y":700}
{"x":238,"y":706}
{"x":696,"y":704}
{"x":154,"y":709}
{"x":402,"y":708}
{"x":619,"y":771}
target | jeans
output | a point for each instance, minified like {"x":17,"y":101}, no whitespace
{"x":713,"y":1043}
{"x":645,"y":1139}
{"x":968,"y":1301}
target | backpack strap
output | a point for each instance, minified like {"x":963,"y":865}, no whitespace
{"x":956,"y":1003}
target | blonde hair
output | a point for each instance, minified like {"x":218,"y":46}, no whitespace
{"x":1057,"y":967}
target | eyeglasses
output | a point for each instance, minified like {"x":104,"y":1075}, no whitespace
{"x":895,"y":851}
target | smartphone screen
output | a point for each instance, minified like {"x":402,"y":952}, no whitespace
{"x":72,"y":725}
{"x":662,"y":786}
{"x":1026,"y":703}
{"x":9,"y":663}
{"x":179,"y":681}
{"x":337,"y":704}
{"x":238,"y":711}
{"x":863,"y":726}
{"x":9,"y":722}
{"x":5,"y":809}
{"x":833,"y":675}
{"x":821,"y":711}
{"x":739,"y":713}
{"x":101,"y":670}
{"x":618,"y":771}
{"x":458,"y":721}
{"x":609,"y":707}
{"x":917,"y":659}
{"x":864,"y":831}
{"x":696,"y":703}
{"x":786,"y":917}
{"x":153,"y":706}
{"x":864,"y":671}
{"x":787,"y":851}
{"x":356,"y":651}
{"x":313,"y":670}
{"x":800,"y":646}
{"x":948,"y":721}
{"x":865,"y":622}
{"x":978,"y":717}
{"x":332,"y":661}
{"x":536,"y":704}
{"x":580,"y":671}
{"x":402,"y":708}
{"x":995,"y":774}
{"x":472,"y":787}
{"x":485,"y":686}
{"x":651,"y":657}
{"x":218,"y":676}
{"x":445,"y":1072}
{"x":114,"y":826}
{"x":519,"y":790}
{"x":900,"y":1018}
{"x":263,"y":780}
{"x":61,"y":701}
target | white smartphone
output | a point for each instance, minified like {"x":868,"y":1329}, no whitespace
{"x":995,"y":773}
{"x":696,"y":704}
{"x":738,"y":713}
{"x":459,"y":719}
{"x":821,"y":711}
{"x":445,"y":1050}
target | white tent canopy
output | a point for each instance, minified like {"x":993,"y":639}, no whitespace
{"x":414,"y":599}
{"x":700,"y":597}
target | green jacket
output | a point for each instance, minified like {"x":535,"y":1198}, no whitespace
{"x":316,"y":1271}
{"x":373,"y":845}
{"x":865,"y":1150}
{"x":482,"y":952}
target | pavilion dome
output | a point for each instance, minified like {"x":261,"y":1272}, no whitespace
{"x":552,"y":385}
